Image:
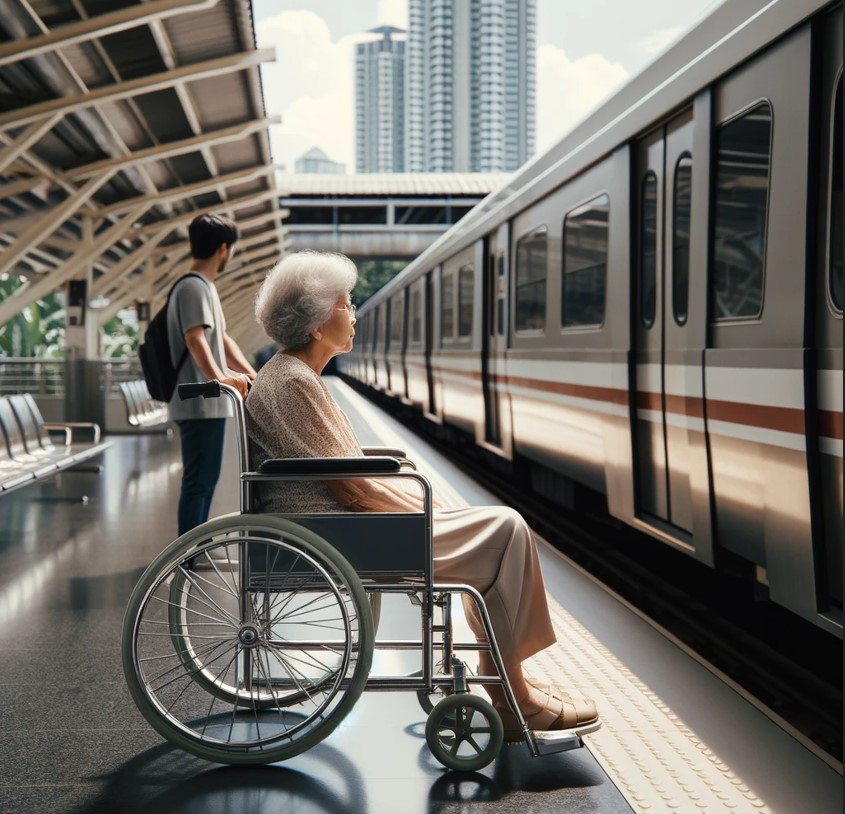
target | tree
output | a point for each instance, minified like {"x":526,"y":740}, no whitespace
{"x":38,"y":329}
{"x":120,"y":335}
{"x":373,"y":275}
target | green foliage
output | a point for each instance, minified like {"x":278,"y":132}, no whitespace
{"x":38,"y":330}
{"x":372,"y":275}
{"x":120,"y":335}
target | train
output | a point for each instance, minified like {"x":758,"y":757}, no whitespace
{"x":651,"y":310}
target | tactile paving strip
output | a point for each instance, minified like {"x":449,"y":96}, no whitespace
{"x":653,"y":758}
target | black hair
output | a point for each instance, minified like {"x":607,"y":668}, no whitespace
{"x":208,"y":232}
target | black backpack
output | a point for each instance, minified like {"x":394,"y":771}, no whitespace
{"x":159,"y":373}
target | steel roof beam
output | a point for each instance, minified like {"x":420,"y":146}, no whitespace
{"x":161,"y":152}
{"x":32,"y":135}
{"x":33,"y":184}
{"x":45,"y":171}
{"x":28,"y":294}
{"x":137,"y":87}
{"x":133,"y":259}
{"x":99,"y":26}
{"x":49,"y":222}
{"x":188,"y":190}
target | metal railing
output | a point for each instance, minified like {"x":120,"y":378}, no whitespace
{"x":41,"y":377}
{"x":46,"y":377}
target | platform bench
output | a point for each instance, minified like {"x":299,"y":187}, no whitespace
{"x":32,"y":450}
{"x":142,"y":410}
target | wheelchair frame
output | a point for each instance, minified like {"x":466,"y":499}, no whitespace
{"x":205,"y":625}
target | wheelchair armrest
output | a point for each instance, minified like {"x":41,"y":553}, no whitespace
{"x":375,"y":465}
{"x":391,"y":452}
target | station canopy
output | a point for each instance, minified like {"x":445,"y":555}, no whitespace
{"x":120,"y":121}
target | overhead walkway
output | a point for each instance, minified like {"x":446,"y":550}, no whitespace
{"x":377,"y":215}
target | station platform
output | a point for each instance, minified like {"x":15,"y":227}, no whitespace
{"x":676,"y":737}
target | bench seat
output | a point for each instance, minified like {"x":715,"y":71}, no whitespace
{"x":31,"y":449}
{"x":142,"y":410}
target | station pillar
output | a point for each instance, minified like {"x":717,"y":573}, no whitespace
{"x":85,"y":396}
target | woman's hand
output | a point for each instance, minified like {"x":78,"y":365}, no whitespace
{"x":240,"y":381}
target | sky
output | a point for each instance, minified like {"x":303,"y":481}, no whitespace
{"x":585,"y":50}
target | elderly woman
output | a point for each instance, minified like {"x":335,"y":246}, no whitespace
{"x":304,"y":306}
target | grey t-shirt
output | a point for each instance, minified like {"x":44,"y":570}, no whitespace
{"x":195,"y":302}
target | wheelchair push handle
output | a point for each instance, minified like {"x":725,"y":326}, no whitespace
{"x":208,"y":390}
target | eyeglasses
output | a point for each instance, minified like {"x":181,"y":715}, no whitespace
{"x":348,"y":307}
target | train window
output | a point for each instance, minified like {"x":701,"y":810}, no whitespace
{"x":836,"y":213}
{"x":416,"y":317}
{"x":396,"y":323}
{"x":585,"y":242}
{"x":530,"y":305}
{"x":682,"y":205}
{"x":465,"y":297}
{"x":743,"y":149}
{"x":447,"y":314}
{"x":648,"y":250}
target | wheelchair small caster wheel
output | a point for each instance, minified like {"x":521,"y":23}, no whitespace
{"x":464,"y":732}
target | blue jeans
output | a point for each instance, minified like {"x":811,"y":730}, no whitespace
{"x":202,"y":455}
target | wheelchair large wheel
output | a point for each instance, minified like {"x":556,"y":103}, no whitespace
{"x":247,"y":640}
{"x":464,"y":732}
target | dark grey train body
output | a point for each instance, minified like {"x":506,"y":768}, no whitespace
{"x":653,"y":308}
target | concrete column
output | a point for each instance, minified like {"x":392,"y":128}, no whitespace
{"x":85,"y":399}
{"x":82,"y":332}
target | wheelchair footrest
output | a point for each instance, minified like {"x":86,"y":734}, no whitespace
{"x":550,"y":743}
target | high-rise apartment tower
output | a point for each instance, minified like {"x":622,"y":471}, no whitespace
{"x":380,"y":102}
{"x":470,"y":82}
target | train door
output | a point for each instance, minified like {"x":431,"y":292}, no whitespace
{"x":494,"y":337}
{"x":828,"y":329}
{"x":431,"y":406}
{"x":667,"y":359}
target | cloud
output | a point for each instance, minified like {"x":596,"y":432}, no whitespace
{"x":311,"y":85}
{"x":659,"y":40}
{"x":568,"y":90}
{"x":393,"y":12}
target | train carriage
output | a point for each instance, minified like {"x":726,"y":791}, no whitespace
{"x":652,"y":309}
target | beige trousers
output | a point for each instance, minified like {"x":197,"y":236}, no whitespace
{"x":492,"y":549}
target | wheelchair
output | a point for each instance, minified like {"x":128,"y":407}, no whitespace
{"x":251,"y":637}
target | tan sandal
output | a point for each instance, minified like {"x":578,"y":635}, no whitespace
{"x":558,"y":714}
{"x":542,"y":686}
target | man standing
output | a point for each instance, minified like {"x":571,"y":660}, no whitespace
{"x":195,"y":321}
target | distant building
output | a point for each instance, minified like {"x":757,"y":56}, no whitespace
{"x":380,"y":102}
{"x":470,"y":81}
{"x":315,"y":160}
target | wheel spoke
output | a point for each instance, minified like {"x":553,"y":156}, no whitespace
{"x":209,"y":602}
{"x":471,"y":741}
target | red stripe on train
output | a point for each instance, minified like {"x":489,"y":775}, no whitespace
{"x":781,"y":419}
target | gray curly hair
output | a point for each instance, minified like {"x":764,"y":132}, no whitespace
{"x":300,"y":293}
